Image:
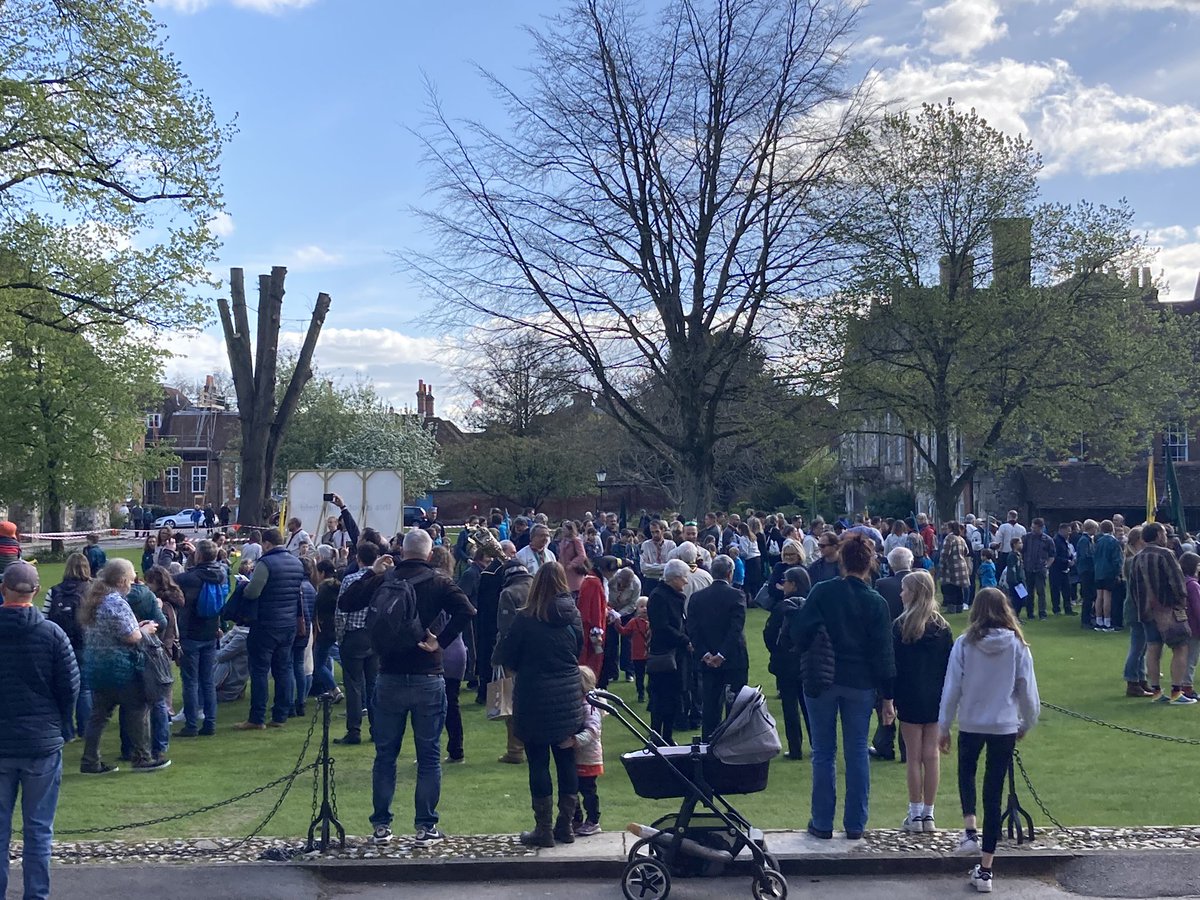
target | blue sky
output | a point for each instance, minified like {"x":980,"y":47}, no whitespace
{"x":323,"y":170}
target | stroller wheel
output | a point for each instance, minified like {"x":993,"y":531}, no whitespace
{"x":648,"y":879}
{"x":769,"y":885}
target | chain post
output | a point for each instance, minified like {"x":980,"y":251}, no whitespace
{"x":325,"y":819}
{"x":1020,"y":823}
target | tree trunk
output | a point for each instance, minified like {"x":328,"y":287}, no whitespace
{"x":54,"y":518}
{"x":696,"y":482}
{"x":254,"y":377}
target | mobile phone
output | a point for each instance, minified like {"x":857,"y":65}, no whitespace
{"x":328,"y":498}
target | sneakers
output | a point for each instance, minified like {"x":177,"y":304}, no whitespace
{"x":587,"y":829}
{"x":102,"y":769}
{"x":1162,"y":697}
{"x":187,"y":732}
{"x":381,"y":835}
{"x":154,"y":765}
{"x":981,"y":878}
{"x":927,"y":824}
{"x":1155,"y":694}
{"x":967,"y":845}
{"x":913,"y":825}
{"x":1179,"y":698}
{"x":427,"y":837}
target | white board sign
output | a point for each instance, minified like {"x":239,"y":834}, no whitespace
{"x":375,"y":497}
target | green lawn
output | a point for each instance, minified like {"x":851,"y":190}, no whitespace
{"x":1086,"y":774}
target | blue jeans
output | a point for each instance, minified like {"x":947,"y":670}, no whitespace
{"x":396,"y":698}
{"x":322,"y":675}
{"x":1135,"y":662}
{"x":160,"y":727}
{"x":855,"y":706}
{"x":303,"y":682}
{"x":38,"y":778}
{"x":270,"y":653}
{"x":199,"y":686}
{"x":83,"y":712}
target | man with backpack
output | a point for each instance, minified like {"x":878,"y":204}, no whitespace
{"x":205,"y":587}
{"x":405,"y":604}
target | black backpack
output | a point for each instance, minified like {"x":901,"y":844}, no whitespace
{"x":393,"y":618}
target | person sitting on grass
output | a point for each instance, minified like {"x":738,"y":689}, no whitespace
{"x":921,"y":640}
{"x":991,"y":689}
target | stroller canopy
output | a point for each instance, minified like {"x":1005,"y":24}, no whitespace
{"x":748,"y":735}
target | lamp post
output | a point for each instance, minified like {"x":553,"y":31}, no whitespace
{"x":601,"y":476}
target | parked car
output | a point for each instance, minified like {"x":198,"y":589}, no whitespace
{"x":413,"y":515}
{"x":181,"y":519}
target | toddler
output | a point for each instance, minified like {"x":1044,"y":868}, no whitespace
{"x":589,"y":761}
{"x":638,"y":630}
{"x":987,"y":569}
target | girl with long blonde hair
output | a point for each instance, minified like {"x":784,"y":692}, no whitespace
{"x":921,"y":641}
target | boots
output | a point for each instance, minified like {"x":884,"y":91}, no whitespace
{"x":1135,"y":689}
{"x":1145,"y":686}
{"x":542,"y":834}
{"x":563,"y":832}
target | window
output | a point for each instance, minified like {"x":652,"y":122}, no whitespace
{"x":1175,"y":442}
{"x":172,"y":478}
{"x":153,"y":421}
{"x":199,"y":479}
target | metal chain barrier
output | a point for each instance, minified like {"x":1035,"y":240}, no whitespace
{"x":1125,"y":729}
{"x":1033,"y":793}
{"x":298,"y":769}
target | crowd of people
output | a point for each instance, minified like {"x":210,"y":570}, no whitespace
{"x":854,"y":630}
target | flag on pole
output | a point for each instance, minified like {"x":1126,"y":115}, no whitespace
{"x":1151,"y":492}
{"x":1176,"y":499}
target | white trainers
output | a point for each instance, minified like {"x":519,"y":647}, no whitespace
{"x":927,"y":824}
{"x":967,"y":846}
{"x":913,"y":825}
{"x":982,"y":879}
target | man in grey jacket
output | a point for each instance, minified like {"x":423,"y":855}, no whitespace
{"x":513,"y":596}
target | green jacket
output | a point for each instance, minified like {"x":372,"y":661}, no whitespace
{"x":145,"y":605}
{"x":860,"y":630}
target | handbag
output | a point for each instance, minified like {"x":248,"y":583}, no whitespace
{"x":157,"y":676}
{"x":661,"y":663}
{"x":500,"y":695}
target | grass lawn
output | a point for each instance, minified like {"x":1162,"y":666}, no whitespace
{"x":1086,"y":774}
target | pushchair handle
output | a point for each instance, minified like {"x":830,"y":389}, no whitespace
{"x":601,"y":700}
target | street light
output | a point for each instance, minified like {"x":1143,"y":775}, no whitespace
{"x":601,"y":476}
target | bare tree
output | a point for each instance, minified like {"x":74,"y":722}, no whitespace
{"x":517,"y":378}
{"x":663,"y":196}
{"x":254,"y":377}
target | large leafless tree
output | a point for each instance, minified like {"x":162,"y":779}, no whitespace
{"x":661,"y":199}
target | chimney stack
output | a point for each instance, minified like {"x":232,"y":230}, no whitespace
{"x":1012,"y":251}
{"x":421,"y":398}
{"x":429,"y":402}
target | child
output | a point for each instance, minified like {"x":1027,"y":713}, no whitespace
{"x":739,"y":567}
{"x":987,"y":569}
{"x":1190,"y":563}
{"x":1014,"y":578}
{"x":96,"y":557}
{"x":922,"y":640}
{"x":991,"y":689}
{"x":10,"y":547}
{"x":589,"y":761}
{"x":638,"y":629}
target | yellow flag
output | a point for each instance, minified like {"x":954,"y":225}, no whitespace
{"x":1151,"y":492}
{"x":283,"y":511}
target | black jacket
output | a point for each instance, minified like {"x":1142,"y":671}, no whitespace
{"x":434,"y":596}
{"x":889,"y":589}
{"x":548,"y":692}
{"x":716,"y":623}
{"x":665,"y":611}
{"x":63,"y":610}
{"x":920,"y":672}
{"x":784,"y":664}
{"x":41,"y":682}
{"x":191,"y":626}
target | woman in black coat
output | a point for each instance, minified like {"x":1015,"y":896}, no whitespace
{"x":668,"y":639}
{"x":542,"y":649}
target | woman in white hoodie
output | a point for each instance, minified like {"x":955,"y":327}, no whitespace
{"x":990,"y":688}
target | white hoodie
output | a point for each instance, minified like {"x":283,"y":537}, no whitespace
{"x":990,"y":686}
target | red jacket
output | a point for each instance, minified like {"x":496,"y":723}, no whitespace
{"x":640,"y":630}
{"x":593,"y":611}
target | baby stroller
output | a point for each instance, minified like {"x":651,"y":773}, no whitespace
{"x":707,"y":833}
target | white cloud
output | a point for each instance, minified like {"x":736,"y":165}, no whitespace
{"x":222,"y":224}
{"x":961,"y":27}
{"x":877,"y":47}
{"x":1179,"y":259}
{"x":1084,"y":128}
{"x":310,"y":257}
{"x":273,"y":7}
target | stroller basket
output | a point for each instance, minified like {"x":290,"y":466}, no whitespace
{"x":657,"y":776}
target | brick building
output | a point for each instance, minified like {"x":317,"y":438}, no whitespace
{"x":204,"y":435}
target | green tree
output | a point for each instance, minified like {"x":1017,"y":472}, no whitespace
{"x":76,"y":423}
{"x":987,"y":376}
{"x":528,"y":469}
{"x":110,"y":167}
{"x":378,"y":438}
{"x":662,"y":196}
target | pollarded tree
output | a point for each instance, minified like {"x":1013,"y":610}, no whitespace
{"x":990,"y":318}
{"x":663,"y":195}
{"x":110,"y":167}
